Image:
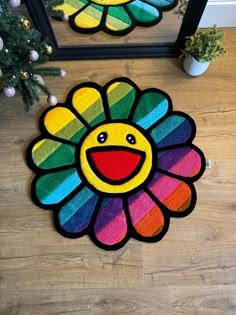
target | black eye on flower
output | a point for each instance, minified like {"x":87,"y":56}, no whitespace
{"x":131,"y":139}
{"x":102,"y":137}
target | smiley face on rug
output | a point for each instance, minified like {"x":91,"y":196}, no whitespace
{"x":116,"y":157}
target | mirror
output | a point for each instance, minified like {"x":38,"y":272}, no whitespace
{"x":123,"y":36}
{"x":165,"y":29}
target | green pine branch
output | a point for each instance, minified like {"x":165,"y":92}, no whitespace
{"x":26,"y":96}
{"x":48,"y":71}
{"x":32,"y":90}
{"x":41,"y":87}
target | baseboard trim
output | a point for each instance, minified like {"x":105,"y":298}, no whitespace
{"x":222,"y":13}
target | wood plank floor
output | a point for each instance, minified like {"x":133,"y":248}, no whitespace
{"x":191,"y":271}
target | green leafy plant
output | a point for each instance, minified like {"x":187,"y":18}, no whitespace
{"x":181,"y":9}
{"x":205,"y":46}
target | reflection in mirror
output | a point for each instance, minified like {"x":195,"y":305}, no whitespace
{"x":164,"y":39}
{"x":165,"y":30}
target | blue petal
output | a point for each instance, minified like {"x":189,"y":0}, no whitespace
{"x":175,"y":129}
{"x":76,"y":214}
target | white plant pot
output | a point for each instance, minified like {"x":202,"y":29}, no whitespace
{"x":194,"y":67}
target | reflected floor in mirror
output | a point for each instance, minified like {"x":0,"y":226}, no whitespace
{"x":165,"y":31}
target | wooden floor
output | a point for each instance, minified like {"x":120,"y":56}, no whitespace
{"x":191,"y":271}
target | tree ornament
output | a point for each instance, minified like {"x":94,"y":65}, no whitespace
{"x":9,"y":91}
{"x":33,"y":55}
{"x":52,"y":100}
{"x":63,"y":73}
{"x":24,"y":75}
{"x":1,"y":73}
{"x":48,"y":50}
{"x":25,"y":24}
{"x":1,"y":43}
{"x":15,"y":3}
{"x":65,"y":18}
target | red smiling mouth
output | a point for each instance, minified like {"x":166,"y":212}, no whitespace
{"x":115,"y":164}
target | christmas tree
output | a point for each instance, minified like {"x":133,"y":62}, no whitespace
{"x":22,"y":53}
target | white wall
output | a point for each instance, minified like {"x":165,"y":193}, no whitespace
{"x":220,"y":12}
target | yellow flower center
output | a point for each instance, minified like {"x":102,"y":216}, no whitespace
{"x":115,"y":158}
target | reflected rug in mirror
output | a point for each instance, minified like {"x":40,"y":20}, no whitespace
{"x":116,"y":17}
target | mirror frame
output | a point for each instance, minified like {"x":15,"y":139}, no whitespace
{"x":188,"y":27}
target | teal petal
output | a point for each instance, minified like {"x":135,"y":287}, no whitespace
{"x":75,"y":215}
{"x":151,"y":107}
{"x":121,"y":97}
{"x":164,"y":4}
{"x":54,"y":187}
{"x":143,"y":12}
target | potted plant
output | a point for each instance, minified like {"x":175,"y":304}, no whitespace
{"x":201,"y":48}
{"x":181,"y":9}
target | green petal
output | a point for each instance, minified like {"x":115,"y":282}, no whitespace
{"x":71,"y":6}
{"x":121,"y":97}
{"x":90,"y":17}
{"x":47,"y":154}
{"x":151,"y":107}
{"x":143,"y":12}
{"x":54,"y":187}
{"x":117,"y":19}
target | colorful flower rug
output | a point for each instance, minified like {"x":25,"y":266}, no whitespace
{"x":115,"y":162}
{"x":116,"y":17}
